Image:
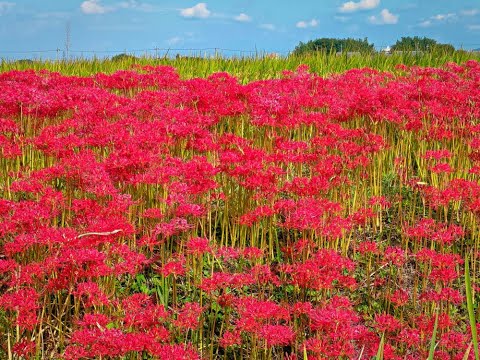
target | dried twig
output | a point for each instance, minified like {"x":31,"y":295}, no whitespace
{"x":100,"y":233}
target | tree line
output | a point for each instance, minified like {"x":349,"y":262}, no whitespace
{"x":362,"y":45}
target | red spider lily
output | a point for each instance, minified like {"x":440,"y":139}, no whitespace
{"x":230,"y":338}
{"x":174,"y":352}
{"x":256,"y":215}
{"x":106,"y":342}
{"x":441,"y":168}
{"x":399,"y":297}
{"x":188,"y":316}
{"x":92,"y":293}
{"x":175,"y":267}
{"x":395,"y":256}
{"x":444,"y":266}
{"x":410,"y":337}
{"x":300,"y":308}
{"x":227,"y":253}
{"x":429,"y":229}
{"x":142,"y":313}
{"x":446,"y":294}
{"x":437,"y":154}
{"x":25,"y":303}
{"x":368,"y":247}
{"x":106,"y":175}
{"x":387,"y":323}
{"x":380,"y":201}
{"x":454,"y":341}
{"x":153,"y":213}
{"x":94,"y":320}
{"x":220,"y":280}
{"x":321,"y":271}
{"x":175,"y":226}
{"x":252,"y":253}
{"x":198,"y":246}
{"x":275,"y":335}
{"x":253,"y":313}
{"x":24,"y":348}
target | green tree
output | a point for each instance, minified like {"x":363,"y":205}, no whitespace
{"x":421,"y":44}
{"x":333,"y":45}
{"x":124,"y":57}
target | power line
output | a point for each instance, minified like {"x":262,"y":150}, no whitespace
{"x":156,"y":50}
{"x":26,"y":51}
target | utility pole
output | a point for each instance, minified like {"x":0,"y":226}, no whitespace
{"x":67,"y":39}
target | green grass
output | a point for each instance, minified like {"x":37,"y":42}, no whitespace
{"x":245,"y":68}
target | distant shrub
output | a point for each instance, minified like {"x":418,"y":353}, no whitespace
{"x":124,"y":57}
{"x":334,"y":45}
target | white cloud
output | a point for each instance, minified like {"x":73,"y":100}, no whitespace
{"x":425,"y":23}
{"x":199,"y":11}
{"x":5,"y":6}
{"x":442,"y":17}
{"x":136,"y":5}
{"x":59,"y":15}
{"x":471,"y":12}
{"x":269,"y":27}
{"x":94,"y":7}
{"x":301,"y":25}
{"x":305,"y":24}
{"x":439,"y":18}
{"x":385,"y":18}
{"x":174,"y":40}
{"x":473,"y":27}
{"x":342,"y":19}
{"x":352,"y":6}
{"x":243,"y":18}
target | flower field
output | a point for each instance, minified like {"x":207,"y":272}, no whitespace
{"x":144,"y":215}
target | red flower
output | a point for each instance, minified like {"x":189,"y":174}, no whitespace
{"x":198,"y":246}
{"x":276,"y":335}
{"x":230,"y":338}
{"x":188,"y":316}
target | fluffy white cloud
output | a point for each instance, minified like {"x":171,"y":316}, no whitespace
{"x":352,"y":6}
{"x":471,"y":12}
{"x":136,"y":5}
{"x":442,"y":17}
{"x":473,"y":27}
{"x":301,"y":25}
{"x":199,"y":11}
{"x":425,"y":23}
{"x":94,"y":7}
{"x":385,"y":17}
{"x":342,"y":18}
{"x":269,"y":27}
{"x":439,"y":18}
{"x":174,"y":40}
{"x":242,"y":18}
{"x":305,"y":24}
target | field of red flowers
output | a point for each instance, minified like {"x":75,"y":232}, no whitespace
{"x":147,"y":216}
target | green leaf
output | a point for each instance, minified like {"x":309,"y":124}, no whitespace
{"x":379,"y":355}
{"x":434,"y":338}
{"x":471,"y":312}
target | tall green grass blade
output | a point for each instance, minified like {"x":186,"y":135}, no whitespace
{"x":471,"y":312}
{"x":434,"y":338}
{"x":379,"y":355}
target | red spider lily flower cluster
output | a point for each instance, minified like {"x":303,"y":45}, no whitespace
{"x":145,"y":215}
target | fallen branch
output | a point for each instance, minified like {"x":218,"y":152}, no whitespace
{"x":100,"y":233}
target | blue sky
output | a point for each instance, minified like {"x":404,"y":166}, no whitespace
{"x":105,"y":27}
